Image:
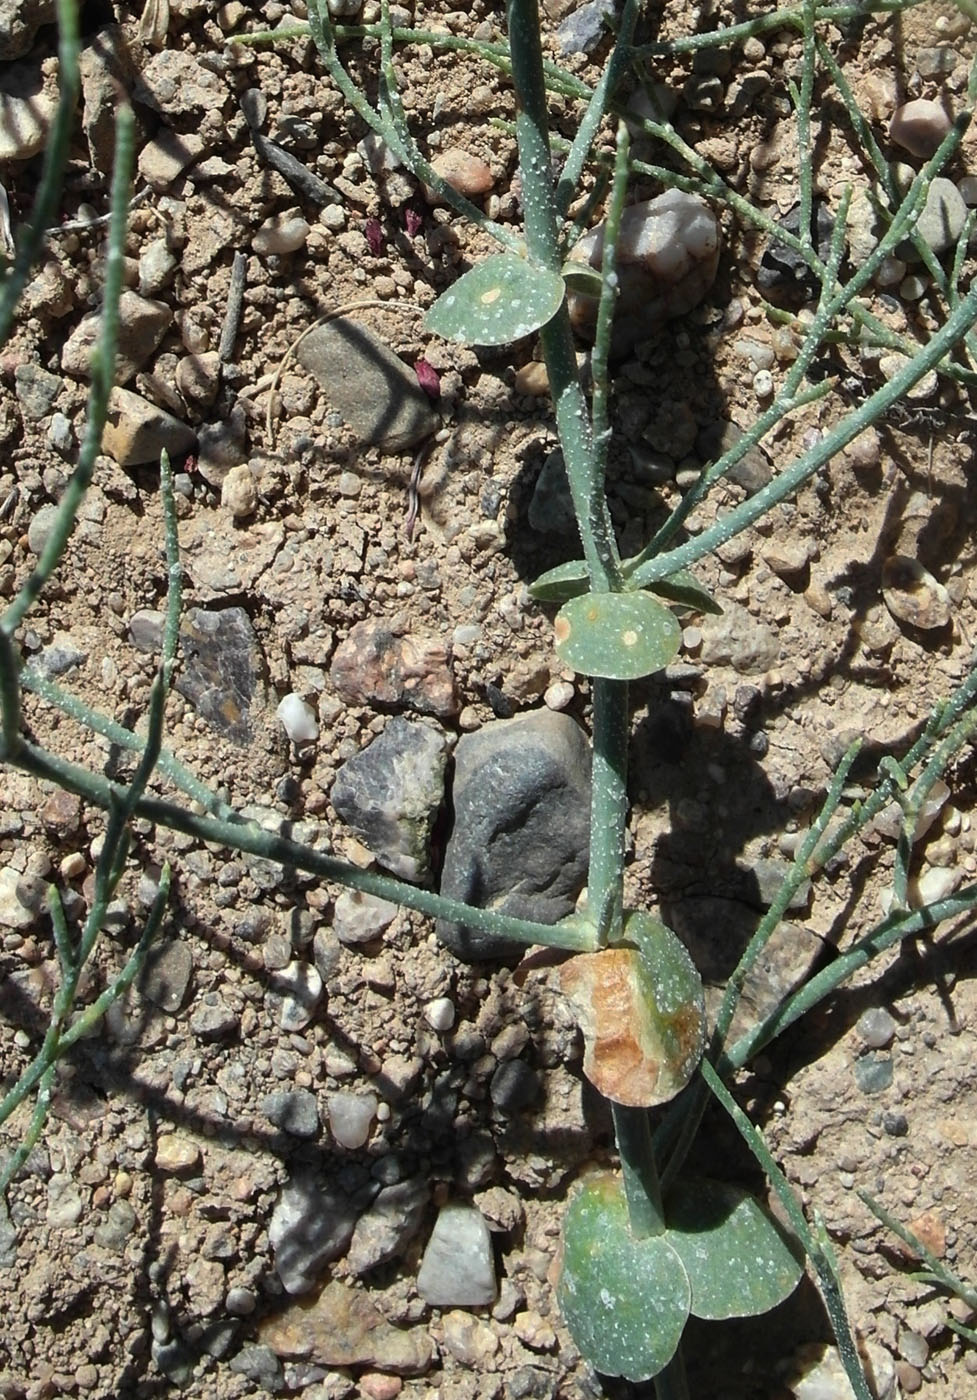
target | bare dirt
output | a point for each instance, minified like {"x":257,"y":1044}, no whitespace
{"x":144,"y":1211}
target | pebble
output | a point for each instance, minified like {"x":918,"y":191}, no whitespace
{"x":551,"y":505}
{"x":873,"y":1073}
{"x":390,"y":794}
{"x":295,"y":1111}
{"x":532,"y":379}
{"x":934,"y":884}
{"x":239,"y":492}
{"x":221,"y":669}
{"x":919,"y":126}
{"x":163,"y":159}
{"x":37,"y":390}
{"x":374,"y":1385}
{"x":177,"y":1153}
{"x":309,"y":1228}
{"x":351,"y":1118}
{"x":142,"y":325}
{"x":213,"y":1019}
{"x":583,"y":29}
{"x":440,"y":1014}
{"x":359,"y":917}
{"x":513,"y":1087}
{"x":558,"y":695}
{"x":373,"y":391}
{"x":783,"y":273}
{"x":114,"y":1229}
{"x":389,"y":1226}
{"x":876,"y":1027}
{"x":297,"y":719}
{"x":469,"y":1340}
{"x":668,"y":253}
{"x":137,"y":431}
{"x":281,"y":234}
{"x":21,"y":898}
{"x":763,"y":384}
{"x":752,"y":472}
{"x":26,"y":111}
{"x":943,"y":217}
{"x":240,"y":1301}
{"x":465,"y":173}
{"x":260,"y":1365}
{"x":40,"y":527}
{"x":967,"y":185}
{"x":521,"y":798}
{"x":198,"y":377}
{"x":19,"y":23}
{"x":458,"y":1267}
{"x":342,"y":1327}
{"x":376,"y":665}
{"x":913,"y":595}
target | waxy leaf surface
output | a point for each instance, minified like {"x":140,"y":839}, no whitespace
{"x":498,"y":301}
{"x":620,"y":636}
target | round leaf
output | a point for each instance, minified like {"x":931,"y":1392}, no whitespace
{"x":641,"y":1008}
{"x":498,"y":301}
{"x":739,"y":1259}
{"x":565,"y":581}
{"x":625,"y":1300}
{"x":620,"y":636}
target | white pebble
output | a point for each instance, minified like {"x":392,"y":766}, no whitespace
{"x":558,"y":695}
{"x":298,"y":719}
{"x":282,"y":233}
{"x":440,"y":1013}
{"x":763,"y":384}
{"x":239,"y":494}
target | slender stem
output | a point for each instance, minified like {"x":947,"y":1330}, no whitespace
{"x":608,"y":806}
{"x":632,"y":1130}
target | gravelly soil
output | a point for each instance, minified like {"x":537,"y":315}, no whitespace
{"x":148,"y":1201}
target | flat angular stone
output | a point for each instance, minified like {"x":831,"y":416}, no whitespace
{"x":309,"y":1228}
{"x":376,"y":394}
{"x":221,"y":668}
{"x":458,"y":1268}
{"x":378,"y":665}
{"x":520,"y":841}
{"x":138,"y":431}
{"x":387,"y":1228}
{"x":142,"y":324}
{"x":343,"y":1328}
{"x":391,"y":792}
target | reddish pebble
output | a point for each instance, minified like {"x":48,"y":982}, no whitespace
{"x":919,"y":126}
{"x":463,"y":172}
{"x":374,"y":1385}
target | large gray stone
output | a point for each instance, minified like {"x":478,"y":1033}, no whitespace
{"x":390,"y":794}
{"x":374,"y":392}
{"x":309,"y":1228}
{"x":19,"y":22}
{"x":458,"y":1268}
{"x":521,"y":835}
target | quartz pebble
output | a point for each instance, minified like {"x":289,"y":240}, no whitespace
{"x":280,"y":234}
{"x":440,"y":1014}
{"x":297,"y":719}
{"x":943,"y":217}
{"x":239,"y":493}
{"x":359,"y":918}
{"x":351,"y":1118}
{"x":919,"y":126}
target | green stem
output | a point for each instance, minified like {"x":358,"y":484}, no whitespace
{"x":632,"y":1130}
{"x":608,"y":806}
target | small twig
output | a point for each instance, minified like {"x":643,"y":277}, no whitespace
{"x":100,"y":220}
{"x":234,"y":309}
{"x":413,"y":489}
{"x":299,"y":176}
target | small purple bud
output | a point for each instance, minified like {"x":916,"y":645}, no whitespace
{"x":427,"y":377}
{"x":374,"y":236}
{"x":412,"y":222}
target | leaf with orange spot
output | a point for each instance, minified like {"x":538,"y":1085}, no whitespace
{"x":641,"y":1007}
{"x":620,"y":636}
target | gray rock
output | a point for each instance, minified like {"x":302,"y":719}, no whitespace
{"x":391,"y":792}
{"x":390,"y":1224}
{"x":919,"y":126}
{"x":19,"y":22}
{"x":116,"y":1227}
{"x":36,"y":389}
{"x":295,"y":1111}
{"x":260,"y":1365}
{"x":737,"y":639}
{"x":783,"y":274}
{"x":876,"y":1027}
{"x":376,"y":394}
{"x":551,"y":508}
{"x":40,"y":528}
{"x":60,"y":656}
{"x":213,"y":1019}
{"x":458,"y":1268}
{"x":309,"y":1228}
{"x":514,"y":1086}
{"x":873,"y":1073}
{"x":27,"y":105}
{"x":520,"y":841}
{"x":359,"y":918}
{"x":753,"y":471}
{"x":221,"y":669}
{"x":943,"y":217}
{"x":583,"y":30}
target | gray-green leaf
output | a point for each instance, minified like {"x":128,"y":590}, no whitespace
{"x":620,"y":636}
{"x":565,"y":581}
{"x":498,"y":301}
